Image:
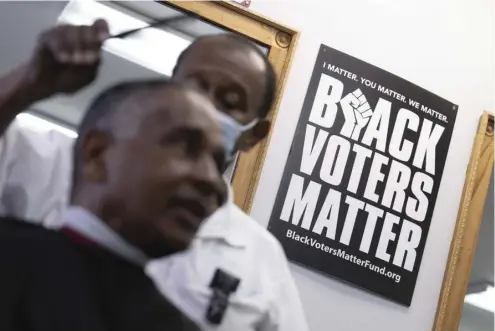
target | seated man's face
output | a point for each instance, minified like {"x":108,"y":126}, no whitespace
{"x":163,"y":170}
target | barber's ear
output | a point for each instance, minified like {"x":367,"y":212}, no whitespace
{"x":255,"y":135}
{"x":94,"y":148}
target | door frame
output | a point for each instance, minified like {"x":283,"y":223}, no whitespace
{"x":463,"y":245}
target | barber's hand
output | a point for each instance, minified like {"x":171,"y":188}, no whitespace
{"x":66,"y":58}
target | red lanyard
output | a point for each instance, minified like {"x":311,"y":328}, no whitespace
{"x":76,"y":236}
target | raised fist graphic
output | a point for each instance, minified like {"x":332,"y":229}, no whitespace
{"x":357,"y":113}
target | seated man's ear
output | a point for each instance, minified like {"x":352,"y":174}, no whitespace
{"x":250,"y":138}
{"x":94,"y":148}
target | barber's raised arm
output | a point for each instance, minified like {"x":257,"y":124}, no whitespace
{"x":65,"y":60}
{"x":15,"y":96}
{"x":35,"y":167}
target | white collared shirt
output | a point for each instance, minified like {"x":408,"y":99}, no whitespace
{"x":35,"y":173}
{"x":266,"y":299}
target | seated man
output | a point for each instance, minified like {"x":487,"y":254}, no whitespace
{"x":147,"y":172}
{"x":241,"y":82}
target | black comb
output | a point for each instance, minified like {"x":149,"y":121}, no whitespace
{"x":160,"y":22}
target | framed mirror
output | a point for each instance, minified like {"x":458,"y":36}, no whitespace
{"x":467,"y":299}
{"x":154,"y":52}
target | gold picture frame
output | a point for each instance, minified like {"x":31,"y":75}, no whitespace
{"x":462,"y":248}
{"x":281,"y":42}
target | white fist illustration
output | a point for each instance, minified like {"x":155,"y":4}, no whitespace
{"x":357,"y":113}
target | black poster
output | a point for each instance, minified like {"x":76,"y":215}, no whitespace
{"x":360,"y":184}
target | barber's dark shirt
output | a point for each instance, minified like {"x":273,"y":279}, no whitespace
{"x":49,"y":282}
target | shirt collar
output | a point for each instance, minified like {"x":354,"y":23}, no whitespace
{"x":224,"y":223}
{"x":85,"y":223}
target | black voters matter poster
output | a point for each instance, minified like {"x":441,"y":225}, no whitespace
{"x":360,"y":184}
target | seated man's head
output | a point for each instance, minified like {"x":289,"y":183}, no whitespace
{"x":148,"y":162}
{"x":236,"y":76}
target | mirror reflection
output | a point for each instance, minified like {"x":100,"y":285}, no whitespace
{"x":149,"y":53}
{"x":479,"y":304}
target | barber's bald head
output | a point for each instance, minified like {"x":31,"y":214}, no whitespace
{"x":148,"y":160}
{"x":235,"y":74}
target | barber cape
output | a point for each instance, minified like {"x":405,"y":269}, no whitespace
{"x":83,"y":278}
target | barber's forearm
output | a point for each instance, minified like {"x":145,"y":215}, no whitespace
{"x":16,"y":95}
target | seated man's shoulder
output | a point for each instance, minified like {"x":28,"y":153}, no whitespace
{"x":29,"y":249}
{"x":21,"y":237}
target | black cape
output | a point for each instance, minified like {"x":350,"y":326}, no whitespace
{"x":49,"y":282}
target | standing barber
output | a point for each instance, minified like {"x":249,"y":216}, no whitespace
{"x":235,"y":276}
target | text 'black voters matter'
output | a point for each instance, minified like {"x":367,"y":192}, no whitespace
{"x":360,"y":184}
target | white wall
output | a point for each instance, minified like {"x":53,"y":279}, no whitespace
{"x":445,"y":46}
